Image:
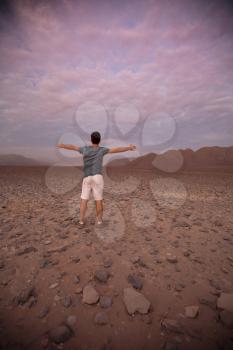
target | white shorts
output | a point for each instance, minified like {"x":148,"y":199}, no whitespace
{"x":94,"y":183}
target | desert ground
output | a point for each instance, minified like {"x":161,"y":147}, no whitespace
{"x":157,"y":275}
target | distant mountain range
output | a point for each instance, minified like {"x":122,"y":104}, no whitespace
{"x":204,"y":159}
{"x":16,"y":159}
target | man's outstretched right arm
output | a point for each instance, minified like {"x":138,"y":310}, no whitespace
{"x":122,"y":149}
{"x":70,"y":147}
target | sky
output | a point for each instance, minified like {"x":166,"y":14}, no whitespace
{"x":158,"y":74}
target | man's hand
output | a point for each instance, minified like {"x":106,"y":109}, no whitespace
{"x":132,"y":147}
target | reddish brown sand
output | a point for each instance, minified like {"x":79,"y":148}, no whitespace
{"x":198,"y":233}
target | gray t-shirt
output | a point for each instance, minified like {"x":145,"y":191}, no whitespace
{"x":93,"y":159}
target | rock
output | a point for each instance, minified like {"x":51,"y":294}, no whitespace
{"x":142,"y":263}
{"x":75,"y":259}
{"x":182,"y":224}
{"x":175,"y":244}
{"x":78,"y":290}
{"x":186,"y":253}
{"x":230,"y":258}
{"x":169,"y":345}
{"x":62,"y":235}
{"x":105,"y":301}
{"x":67,"y":301}
{"x":44,"y":311}
{"x":26,"y":293}
{"x":71,"y":320}
{"x":179,"y":287}
{"x":209,"y":300}
{"x":76,"y":279}
{"x":171,"y":258}
{"x":2,"y":264}
{"x":223,"y":269}
{"x":154,"y":251}
{"x":217,"y":223}
{"x":135,"y":282}
{"x":101,"y":318}
{"x":135,"y":301}
{"x":26,"y":250}
{"x":102,"y":276}
{"x":172,"y":325}
{"x":6,"y":228}
{"x":57,"y":297}
{"x":61,"y":275}
{"x":90,"y":295}
{"x":225,"y":301}
{"x":135,"y":259}
{"x":47,"y":242}
{"x":45,"y":263}
{"x":107,"y":263}
{"x":215,"y":284}
{"x":191,"y":311}
{"x":53,"y":285}
{"x":226,"y":318}
{"x":32,"y":301}
{"x":60,"y":334}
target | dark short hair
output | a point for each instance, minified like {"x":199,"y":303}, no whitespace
{"x":95,"y":137}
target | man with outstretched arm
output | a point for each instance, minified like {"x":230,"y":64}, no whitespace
{"x":93,"y":178}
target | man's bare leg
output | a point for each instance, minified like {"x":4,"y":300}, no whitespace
{"x":83,"y":208}
{"x":99,"y":210}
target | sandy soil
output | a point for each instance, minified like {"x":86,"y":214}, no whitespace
{"x":174,"y":237}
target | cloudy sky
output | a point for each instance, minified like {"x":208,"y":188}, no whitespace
{"x":155,"y":73}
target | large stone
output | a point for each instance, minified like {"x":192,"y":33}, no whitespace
{"x":226,"y":318}
{"x":60,"y":334}
{"x":90,"y":295}
{"x":135,"y":301}
{"x":225,"y":301}
{"x":191,"y":311}
{"x":172,"y":325}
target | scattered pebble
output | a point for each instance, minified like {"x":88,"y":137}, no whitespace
{"x":101,"y":318}
{"x":135,"y":281}
{"x":101,"y":276}
{"x":191,"y":311}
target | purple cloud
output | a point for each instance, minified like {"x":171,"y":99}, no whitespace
{"x":160,"y":57}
